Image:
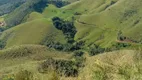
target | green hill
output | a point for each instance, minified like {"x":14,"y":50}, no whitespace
{"x":32,"y":32}
{"x":104,"y":23}
{"x":7,"y":6}
{"x":106,"y":18}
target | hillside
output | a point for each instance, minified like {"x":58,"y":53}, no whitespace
{"x":109,"y":66}
{"x":33,"y":32}
{"x":118,"y":65}
{"x":107,"y":18}
{"x":71,"y":40}
{"x":99,"y":23}
{"x":7,"y":6}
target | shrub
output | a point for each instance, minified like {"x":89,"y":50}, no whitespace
{"x":77,"y":13}
{"x":2,"y":44}
{"x":120,"y":36}
{"x":95,"y":49}
{"x":7,"y":77}
{"x":78,"y":45}
{"x":62,"y":67}
{"x":78,"y":53}
{"x":118,"y":46}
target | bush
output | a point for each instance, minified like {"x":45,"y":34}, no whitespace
{"x":2,"y":44}
{"x":118,"y":46}
{"x":62,"y":67}
{"x":78,"y":53}
{"x":78,"y":45}
{"x":95,"y":49}
{"x":7,"y":77}
{"x":77,"y":13}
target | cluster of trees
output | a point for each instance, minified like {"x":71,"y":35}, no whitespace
{"x":78,"y":53}
{"x":67,"y":27}
{"x":67,"y":68}
{"x":95,"y":49}
{"x":66,"y":47}
{"x":58,"y":3}
{"x":118,"y":46}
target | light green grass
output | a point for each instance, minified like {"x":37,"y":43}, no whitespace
{"x":1,"y":19}
{"x":33,"y":32}
{"x":106,"y":18}
{"x":118,"y":65}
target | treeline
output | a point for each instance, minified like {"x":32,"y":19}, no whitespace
{"x":69,"y":31}
{"x":58,"y":3}
{"x":67,"y":27}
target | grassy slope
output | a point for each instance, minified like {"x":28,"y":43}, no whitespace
{"x":27,"y":57}
{"x":36,"y":28}
{"x":102,"y":19}
{"x":118,"y":65}
{"x":107,"y":17}
{"x":32,"y":32}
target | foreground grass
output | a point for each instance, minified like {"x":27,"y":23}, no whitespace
{"x":117,"y":65}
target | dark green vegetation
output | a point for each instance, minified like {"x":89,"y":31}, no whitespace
{"x":63,"y":67}
{"x":66,"y":27}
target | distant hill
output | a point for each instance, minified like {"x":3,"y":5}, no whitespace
{"x":7,"y":6}
{"x":105,"y":23}
{"x":100,"y":21}
{"x":29,"y":6}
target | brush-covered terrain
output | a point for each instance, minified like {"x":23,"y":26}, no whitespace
{"x":70,"y":40}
